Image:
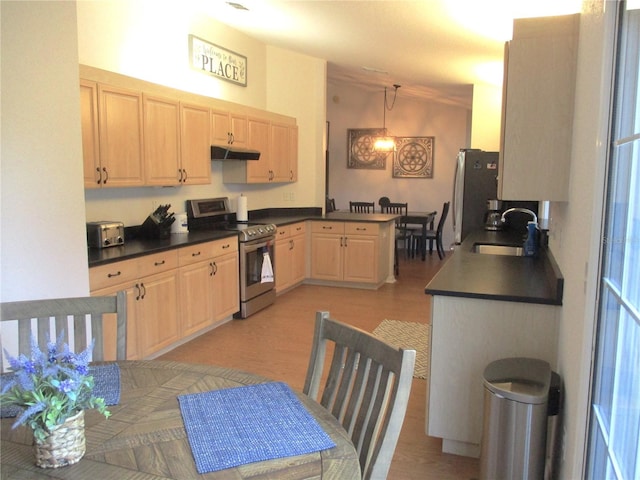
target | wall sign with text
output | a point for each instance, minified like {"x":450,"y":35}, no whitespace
{"x":217,"y":61}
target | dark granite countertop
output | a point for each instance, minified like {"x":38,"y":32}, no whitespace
{"x":499,"y":277}
{"x":136,"y":247}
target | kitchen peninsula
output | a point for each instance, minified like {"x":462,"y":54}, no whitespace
{"x":488,"y":307}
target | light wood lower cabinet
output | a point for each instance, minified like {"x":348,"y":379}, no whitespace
{"x":174,"y":294}
{"x":209,"y":288}
{"x":290,"y":253}
{"x":348,"y":252}
{"x":152,"y":299}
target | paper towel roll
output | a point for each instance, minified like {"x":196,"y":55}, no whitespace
{"x":241,"y":213}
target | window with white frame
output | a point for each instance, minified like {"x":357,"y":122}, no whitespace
{"x":614,"y":441}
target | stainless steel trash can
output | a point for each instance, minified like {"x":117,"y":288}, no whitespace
{"x":516,"y":392}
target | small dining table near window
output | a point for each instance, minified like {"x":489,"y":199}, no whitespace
{"x":425,"y":220}
{"x":180,"y":421}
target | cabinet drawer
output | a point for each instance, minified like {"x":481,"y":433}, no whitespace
{"x":297,"y":228}
{"x":327,"y":227}
{"x":283,"y":232}
{"x":360,"y":228}
{"x":226,"y":245}
{"x":195,"y":253}
{"x":113,"y":274}
{"x":157,"y":263}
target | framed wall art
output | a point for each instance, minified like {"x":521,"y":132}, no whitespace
{"x":361,"y":153}
{"x":413,"y":157}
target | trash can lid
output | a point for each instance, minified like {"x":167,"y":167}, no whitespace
{"x":520,"y":379}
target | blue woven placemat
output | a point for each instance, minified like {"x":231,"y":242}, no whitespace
{"x":240,"y":425}
{"x":106,"y":379}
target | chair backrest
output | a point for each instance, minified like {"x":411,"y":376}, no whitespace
{"x":383,"y":201}
{"x":367,"y":389}
{"x":109,"y":331}
{"x":443,"y":216}
{"x":362,"y":207}
{"x":398,"y":209}
{"x":331,"y":205}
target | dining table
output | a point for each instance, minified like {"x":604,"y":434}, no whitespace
{"x":425,"y":220}
{"x":146,"y":438}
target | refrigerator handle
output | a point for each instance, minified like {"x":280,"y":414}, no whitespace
{"x":458,"y":186}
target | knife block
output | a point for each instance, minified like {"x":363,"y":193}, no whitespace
{"x":153,"y":230}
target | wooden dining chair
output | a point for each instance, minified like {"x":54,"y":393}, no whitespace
{"x":330,"y":205}
{"x":383,"y":202}
{"x":109,"y":331}
{"x":436,"y":235}
{"x":362,"y":207}
{"x":367,"y":389}
{"x":404,"y":234}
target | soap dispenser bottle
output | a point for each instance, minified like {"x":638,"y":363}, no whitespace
{"x":531,"y":244}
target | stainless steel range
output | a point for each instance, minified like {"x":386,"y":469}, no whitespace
{"x":256,"y":250}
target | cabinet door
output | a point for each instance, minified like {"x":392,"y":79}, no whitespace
{"x":90,"y":134}
{"x":326,"y":256}
{"x":279,"y":153}
{"x":293,"y":153}
{"x":298,"y":258}
{"x":220,"y":127}
{"x":196,"y":297}
{"x":121,"y":137}
{"x":157,"y":310}
{"x":195,"y":147}
{"x":132,"y":322}
{"x":259,"y":171}
{"x":226,"y":285}
{"x":239,"y":129}
{"x":360,"y":258}
{"x":539,"y":88}
{"x":161,"y":141}
{"x":283,"y":270}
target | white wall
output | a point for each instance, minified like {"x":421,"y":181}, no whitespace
{"x":149,"y":40}
{"x":576,"y":227}
{"x":349,"y":107}
{"x":43,"y":240}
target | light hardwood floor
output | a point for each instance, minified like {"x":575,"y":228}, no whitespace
{"x":276,"y":343}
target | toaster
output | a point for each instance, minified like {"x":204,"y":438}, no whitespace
{"x":105,"y":234}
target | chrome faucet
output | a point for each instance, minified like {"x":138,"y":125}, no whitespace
{"x":517,"y":209}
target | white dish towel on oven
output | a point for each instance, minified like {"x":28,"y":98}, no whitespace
{"x":267,"y":268}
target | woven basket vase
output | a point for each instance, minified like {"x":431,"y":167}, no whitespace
{"x":65,"y":444}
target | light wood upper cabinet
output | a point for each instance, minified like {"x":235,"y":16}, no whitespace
{"x":162,"y":141}
{"x":540,"y":71}
{"x":280,"y":153}
{"x":293,"y":153}
{"x":195,"y":147}
{"x":90,"y":134}
{"x":228,"y":128}
{"x":277,"y":143}
{"x":135,"y":133}
{"x":121,"y":136}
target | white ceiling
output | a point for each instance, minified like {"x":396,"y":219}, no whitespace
{"x":434,"y":49}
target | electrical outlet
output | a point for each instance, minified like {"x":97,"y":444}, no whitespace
{"x":292,"y":196}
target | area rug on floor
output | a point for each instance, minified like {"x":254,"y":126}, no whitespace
{"x":408,"y":335}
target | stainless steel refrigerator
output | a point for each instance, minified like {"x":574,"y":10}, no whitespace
{"x":475,"y":182}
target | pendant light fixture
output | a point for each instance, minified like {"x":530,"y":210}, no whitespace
{"x":386,"y":143}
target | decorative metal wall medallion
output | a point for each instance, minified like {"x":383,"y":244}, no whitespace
{"x":413,"y":157}
{"x":361,"y":152}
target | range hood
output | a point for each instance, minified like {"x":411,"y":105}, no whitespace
{"x":231,"y":152}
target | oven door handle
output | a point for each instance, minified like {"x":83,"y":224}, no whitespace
{"x":252,"y":247}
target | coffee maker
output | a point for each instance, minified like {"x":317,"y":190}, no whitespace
{"x":492,"y":219}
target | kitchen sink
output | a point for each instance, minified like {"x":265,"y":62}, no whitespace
{"x":491,"y":249}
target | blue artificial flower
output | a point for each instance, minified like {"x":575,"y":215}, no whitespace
{"x":50,"y":386}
